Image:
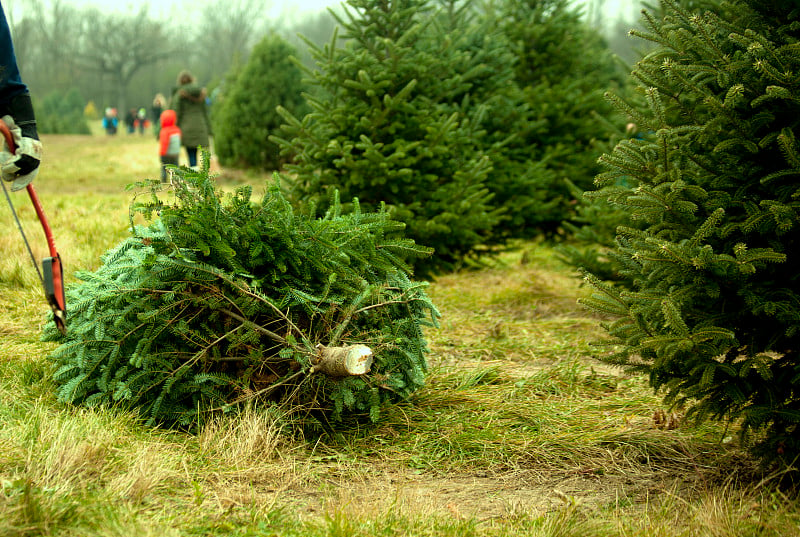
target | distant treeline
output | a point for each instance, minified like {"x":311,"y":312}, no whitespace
{"x":123,"y":60}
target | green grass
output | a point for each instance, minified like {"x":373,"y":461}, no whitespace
{"x":519,"y":430}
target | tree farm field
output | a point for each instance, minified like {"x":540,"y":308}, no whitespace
{"x":520,"y":430}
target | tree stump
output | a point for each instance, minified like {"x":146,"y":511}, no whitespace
{"x":342,"y":361}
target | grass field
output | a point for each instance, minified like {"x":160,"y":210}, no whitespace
{"x":519,"y":430}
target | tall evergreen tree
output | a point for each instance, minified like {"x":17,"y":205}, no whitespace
{"x":563,"y":68}
{"x":245,"y":114}
{"x":381,"y":130}
{"x":714,"y":311}
{"x":478,"y":64}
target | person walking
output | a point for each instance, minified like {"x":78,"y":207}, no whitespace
{"x":189,"y":103}
{"x":169,"y":137}
{"x":110,"y":121}
{"x":16,"y":109}
{"x":141,"y":120}
{"x":158,"y":106}
{"x":130,"y":121}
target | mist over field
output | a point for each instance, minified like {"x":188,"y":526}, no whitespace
{"x":63,"y":46}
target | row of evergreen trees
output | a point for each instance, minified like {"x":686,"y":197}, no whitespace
{"x":464,"y":119}
{"x":421,"y":120}
{"x":462,"y":124}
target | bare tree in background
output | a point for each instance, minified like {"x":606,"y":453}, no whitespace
{"x":317,"y":29}
{"x":45,"y":41}
{"x":226,"y":33}
{"x":119,"y":58}
{"x":119,"y":46}
{"x":25,"y":36}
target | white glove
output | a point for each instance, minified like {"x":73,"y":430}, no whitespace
{"x":19,"y":168}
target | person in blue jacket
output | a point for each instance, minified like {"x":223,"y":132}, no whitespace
{"x":16,"y":110}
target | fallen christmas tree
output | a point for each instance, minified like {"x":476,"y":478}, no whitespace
{"x":219,"y":300}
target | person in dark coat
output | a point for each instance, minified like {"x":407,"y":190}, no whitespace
{"x":189,"y":103}
{"x":130,"y":121}
{"x":16,"y":110}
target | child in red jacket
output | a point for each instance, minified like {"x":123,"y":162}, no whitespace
{"x":169,"y":141}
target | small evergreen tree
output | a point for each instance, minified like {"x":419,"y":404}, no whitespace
{"x":246,"y":115}
{"x":713,"y":313}
{"x":219,"y":301}
{"x":381,"y":131}
{"x":62,"y":114}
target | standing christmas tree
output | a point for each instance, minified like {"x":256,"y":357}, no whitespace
{"x":245,"y":114}
{"x":713,"y":313}
{"x":382,"y":131}
{"x":563,"y":68}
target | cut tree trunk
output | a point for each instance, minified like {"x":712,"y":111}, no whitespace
{"x":342,"y":361}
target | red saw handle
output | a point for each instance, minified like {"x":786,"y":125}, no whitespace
{"x":53,"y":278}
